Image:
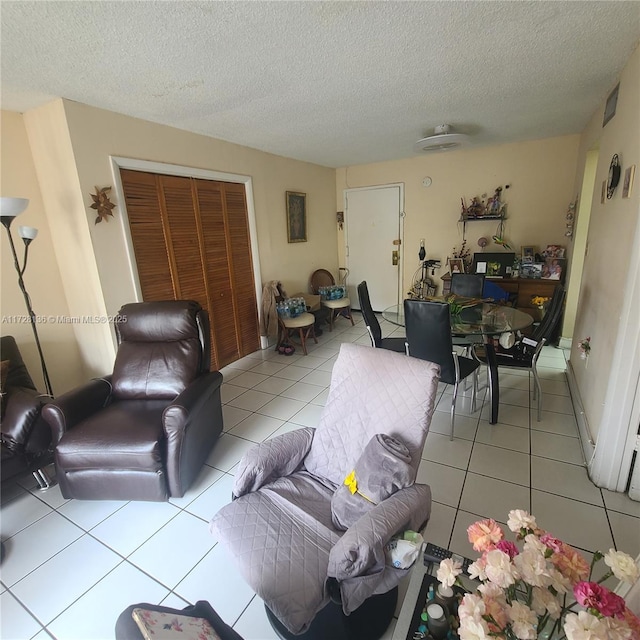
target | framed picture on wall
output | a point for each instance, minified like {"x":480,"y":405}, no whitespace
{"x":627,"y":185}
{"x":296,"y":216}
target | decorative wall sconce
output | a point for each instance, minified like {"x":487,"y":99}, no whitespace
{"x":571,"y":218}
{"x":9,"y":209}
{"x":102,"y":204}
{"x":340,"y":219}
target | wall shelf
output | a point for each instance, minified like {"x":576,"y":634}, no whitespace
{"x":465,"y":219}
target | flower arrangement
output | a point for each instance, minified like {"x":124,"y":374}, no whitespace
{"x":584,"y":346}
{"x":525,"y":593}
{"x":464,"y":253}
{"x":540,"y":302}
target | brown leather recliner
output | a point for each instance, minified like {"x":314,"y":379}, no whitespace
{"x":144,"y":432}
{"x":26,"y":437}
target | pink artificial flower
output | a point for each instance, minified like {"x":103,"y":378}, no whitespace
{"x":495,"y":614}
{"x":484,"y":534}
{"x":592,"y":595}
{"x":552,"y":543}
{"x":570,"y":564}
{"x":508,"y":547}
{"x":633,"y":622}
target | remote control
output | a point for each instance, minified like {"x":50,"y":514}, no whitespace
{"x":433,"y":553}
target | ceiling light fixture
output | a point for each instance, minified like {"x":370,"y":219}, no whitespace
{"x":441,"y":140}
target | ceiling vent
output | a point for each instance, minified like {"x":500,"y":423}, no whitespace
{"x":441,"y":140}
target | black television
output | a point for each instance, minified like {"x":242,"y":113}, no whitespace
{"x":493,"y":265}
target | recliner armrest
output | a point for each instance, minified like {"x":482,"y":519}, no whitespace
{"x":191,"y":401}
{"x":360,"y":550}
{"x":77,"y":405}
{"x":22,"y":409}
{"x":274,"y":458}
{"x":357,"y":561}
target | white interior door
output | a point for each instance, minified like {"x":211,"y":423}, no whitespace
{"x":373,"y":223}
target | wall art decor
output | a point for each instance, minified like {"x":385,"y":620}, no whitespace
{"x":296,"y":216}
{"x":102,"y":204}
{"x":627,"y":185}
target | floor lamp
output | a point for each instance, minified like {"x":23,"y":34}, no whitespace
{"x":9,"y":209}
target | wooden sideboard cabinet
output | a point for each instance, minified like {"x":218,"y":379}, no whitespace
{"x":523,"y":288}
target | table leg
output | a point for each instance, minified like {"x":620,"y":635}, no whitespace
{"x":494,"y":387}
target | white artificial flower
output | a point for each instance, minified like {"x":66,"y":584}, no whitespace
{"x":471,"y":629}
{"x":476,"y":570}
{"x":623,"y":566}
{"x":499,"y":568}
{"x":493,"y":591}
{"x":472,"y":607}
{"x":524,"y":622}
{"x":519,"y":519}
{"x":617,"y":629}
{"x":544,"y":601}
{"x":584,"y":626}
{"x":448,"y":571}
{"x":533,"y":568}
{"x":560,"y":583}
{"x":532,"y":543}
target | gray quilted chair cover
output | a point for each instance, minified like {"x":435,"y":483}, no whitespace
{"x":279,"y":528}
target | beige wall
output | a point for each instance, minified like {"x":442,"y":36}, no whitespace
{"x":72,"y":144}
{"x":96,"y":134}
{"x":610,"y":239}
{"x":42,"y":276}
{"x":541,"y":174}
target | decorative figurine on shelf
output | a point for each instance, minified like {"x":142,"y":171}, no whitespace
{"x":495,"y":207}
{"x":479,"y":208}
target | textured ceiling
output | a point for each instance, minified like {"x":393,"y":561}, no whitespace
{"x":335,"y":83}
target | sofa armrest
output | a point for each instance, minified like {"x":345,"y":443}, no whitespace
{"x":192,"y":424}
{"x":277,"y":457}
{"x":67,"y":410}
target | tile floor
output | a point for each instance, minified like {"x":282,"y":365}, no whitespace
{"x":71,"y":567}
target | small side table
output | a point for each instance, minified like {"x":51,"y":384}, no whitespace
{"x":407,"y":612}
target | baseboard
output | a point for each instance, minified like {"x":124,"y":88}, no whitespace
{"x":586,"y":440}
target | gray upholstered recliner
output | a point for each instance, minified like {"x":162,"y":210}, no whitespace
{"x":143,"y":432}
{"x":279,"y":526}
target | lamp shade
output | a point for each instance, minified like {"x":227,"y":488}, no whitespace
{"x":11,"y":207}
{"x":28,"y":233}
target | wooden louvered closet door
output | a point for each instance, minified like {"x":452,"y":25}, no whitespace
{"x":191,"y":241}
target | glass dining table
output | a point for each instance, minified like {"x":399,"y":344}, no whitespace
{"x":485,"y":320}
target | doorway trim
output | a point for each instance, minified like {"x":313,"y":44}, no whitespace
{"x":118,"y":162}
{"x":400,"y":186}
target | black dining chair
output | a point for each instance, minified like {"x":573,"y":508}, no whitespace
{"x":525,"y":352}
{"x":428,"y":327}
{"x":469,"y":285}
{"x":373,"y":326}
